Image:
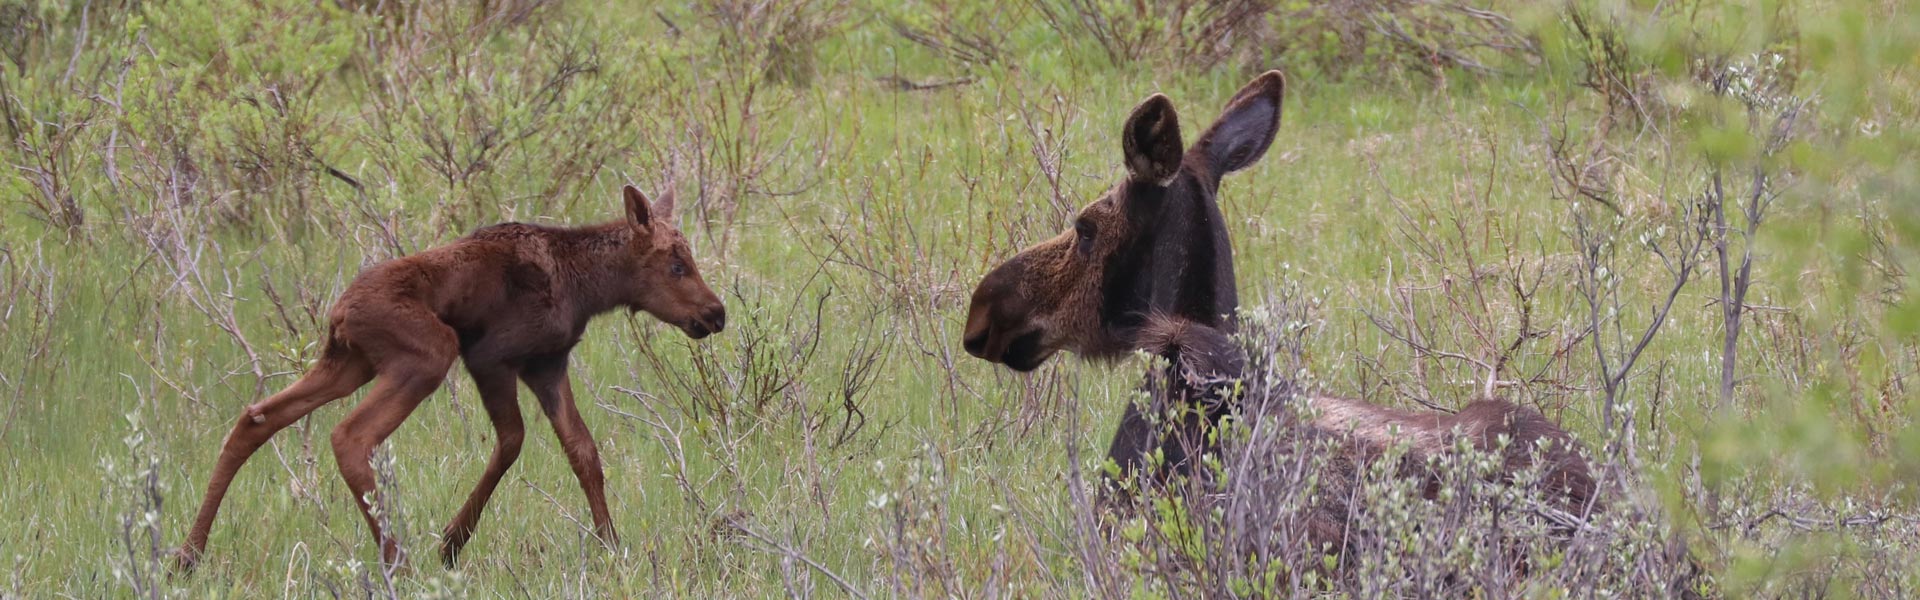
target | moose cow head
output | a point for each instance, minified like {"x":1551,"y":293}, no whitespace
{"x":1155,"y":243}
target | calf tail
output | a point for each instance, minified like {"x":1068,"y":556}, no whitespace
{"x":334,"y":348}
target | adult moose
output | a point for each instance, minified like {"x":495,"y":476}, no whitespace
{"x":1155,"y":244}
{"x":1148,"y":266}
{"x":511,"y":301}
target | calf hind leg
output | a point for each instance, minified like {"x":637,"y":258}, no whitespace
{"x":334,"y":377}
{"x":497,"y":388}
{"x":392,"y":400}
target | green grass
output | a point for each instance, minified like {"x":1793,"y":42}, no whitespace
{"x":889,"y":204}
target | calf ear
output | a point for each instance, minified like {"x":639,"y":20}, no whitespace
{"x":1246,"y":129}
{"x":637,"y":213}
{"x":1151,"y":141}
{"x":663,"y":207}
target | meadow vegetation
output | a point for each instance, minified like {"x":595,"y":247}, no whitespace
{"x":1685,"y":230}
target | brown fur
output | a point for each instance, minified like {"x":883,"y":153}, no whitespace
{"x":1210,"y":369}
{"x":1053,"y":292}
{"x":511,"y":301}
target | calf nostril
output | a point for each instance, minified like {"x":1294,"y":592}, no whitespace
{"x":718,"y":318}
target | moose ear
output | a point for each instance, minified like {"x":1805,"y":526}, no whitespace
{"x":1151,"y":141}
{"x":663,"y":208}
{"x":637,"y":213}
{"x":1246,"y":129}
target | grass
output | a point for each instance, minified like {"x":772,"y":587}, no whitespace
{"x":191,"y":184}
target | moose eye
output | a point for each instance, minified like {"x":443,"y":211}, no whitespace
{"x":1083,"y":232}
{"x":678,"y":269}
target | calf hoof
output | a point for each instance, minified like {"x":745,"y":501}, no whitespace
{"x":451,"y":542}
{"x":183,"y":561}
{"x":393,"y":560}
{"x":608,"y":538}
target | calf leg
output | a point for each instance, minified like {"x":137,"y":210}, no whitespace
{"x":498,"y":387}
{"x":393,"y":399}
{"x":334,"y":377}
{"x":548,"y":380}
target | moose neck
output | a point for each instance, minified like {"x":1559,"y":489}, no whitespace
{"x":1189,"y":258}
{"x":593,"y":267}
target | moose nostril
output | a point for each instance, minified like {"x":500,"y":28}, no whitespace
{"x":976,"y":343}
{"x":718,"y":319}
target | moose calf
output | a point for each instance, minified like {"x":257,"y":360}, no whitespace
{"x":511,"y":301}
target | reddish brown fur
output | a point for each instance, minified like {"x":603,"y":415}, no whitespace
{"x":511,"y":301}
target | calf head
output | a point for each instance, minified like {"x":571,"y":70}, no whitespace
{"x":1155,"y":243}
{"x":663,"y":280}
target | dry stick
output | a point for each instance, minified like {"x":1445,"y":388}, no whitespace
{"x":1615,"y":379}
{"x":1391,"y":28}
{"x":561,"y":508}
{"x":908,"y":85}
{"x":1516,"y":279}
{"x":304,"y":556}
{"x":1048,"y":157}
{"x":14,"y":283}
{"x":1590,"y":245}
{"x":1729,"y":309}
{"x":1031,"y":531}
{"x":518,"y":584}
{"x":1095,"y":573}
{"x":153,"y":364}
{"x":109,"y":162}
{"x":385,"y":503}
{"x":1872,"y":518}
{"x":79,"y":44}
{"x":1734,"y":287}
{"x":1524,"y":294}
{"x":223,"y":316}
{"x":669,"y":439}
{"x":1421,"y":350}
{"x":793,"y":554}
{"x":1435,"y":250}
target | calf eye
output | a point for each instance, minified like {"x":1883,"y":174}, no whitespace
{"x":679,"y":269}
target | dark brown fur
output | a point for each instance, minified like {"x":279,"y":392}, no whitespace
{"x":511,"y":301}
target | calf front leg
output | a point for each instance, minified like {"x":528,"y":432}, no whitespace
{"x":497,"y":385}
{"x":548,"y":380}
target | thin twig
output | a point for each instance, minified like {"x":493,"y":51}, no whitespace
{"x":791,"y":553}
